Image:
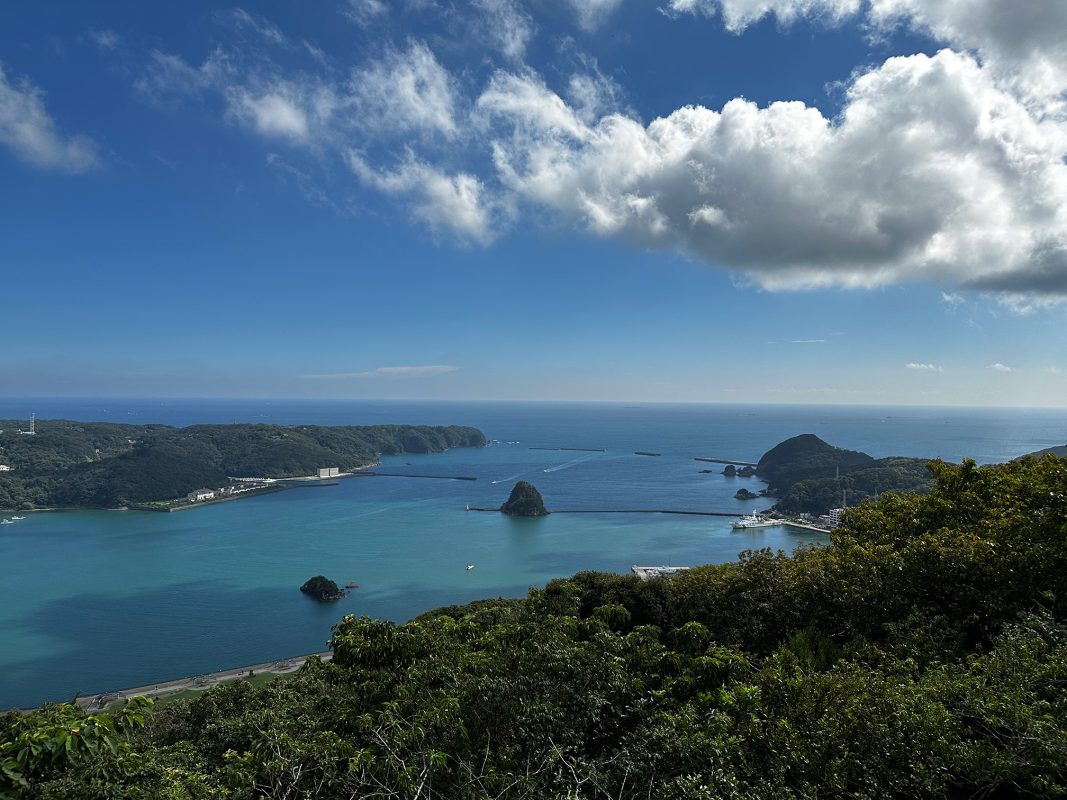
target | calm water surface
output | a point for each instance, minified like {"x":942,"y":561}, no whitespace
{"x":92,"y":601}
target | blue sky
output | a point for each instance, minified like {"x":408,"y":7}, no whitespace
{"x":816,"y":201}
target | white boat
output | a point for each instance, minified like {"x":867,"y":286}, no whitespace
{"x":17,"y":519}
{"x":7,"y":522}
{"x":754,"y":521}
{"x":470,"y":567}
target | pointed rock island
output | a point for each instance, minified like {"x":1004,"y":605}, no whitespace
{"x":525,"y":501}
{"x":322,"y":589}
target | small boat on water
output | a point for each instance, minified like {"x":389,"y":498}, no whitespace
{"x":754,"y":521}
{"x":17,"y":519}
{"x":351,"y":585}
{"x":7,"y":522}
{"x":470,"y":567}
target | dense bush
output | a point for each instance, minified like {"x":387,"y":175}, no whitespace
{"x":921,"y":654}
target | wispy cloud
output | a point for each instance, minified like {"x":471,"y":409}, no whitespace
{"x":1053,"y":370}
{"x":242,"y":20}
{"x":918,"y":366}
{"x":388,"y":373}
{"x":951,"y":298}
{"x":1000,"y":367}
{"x":28,"y":131}
{"x":104,"y":39}
{"x":365,"y":12}
{"x":808,"y":341}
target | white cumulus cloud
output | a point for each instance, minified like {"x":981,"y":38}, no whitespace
{"x":998,"y":367}
{"x":920,"y":367}
{"x":28,"y":131}
{"x":930,"y":172}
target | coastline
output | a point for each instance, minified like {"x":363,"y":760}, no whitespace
{"x":156,"y":506}
{"x":198,"y":683}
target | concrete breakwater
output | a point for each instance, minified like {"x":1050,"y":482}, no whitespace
{"x":710,"y":460}
{"x":631,"y":511}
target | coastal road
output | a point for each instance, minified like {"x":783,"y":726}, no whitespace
{"x":197,"y":683}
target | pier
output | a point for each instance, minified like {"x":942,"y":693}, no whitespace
{"x":805,"y":525}
{"x":710,"y":460}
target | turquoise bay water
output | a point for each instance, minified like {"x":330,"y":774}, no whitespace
{"x":92,"y":601}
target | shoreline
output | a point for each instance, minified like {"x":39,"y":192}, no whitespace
{"x":100,"y":701}
{"x":278,"y":485}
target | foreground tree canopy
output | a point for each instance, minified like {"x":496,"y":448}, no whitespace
{"x":922,"y":654}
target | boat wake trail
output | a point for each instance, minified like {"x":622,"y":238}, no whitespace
{"x":573,"y":463}
{"x":505,"y":480}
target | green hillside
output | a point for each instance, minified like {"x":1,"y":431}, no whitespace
{"x":808,"y":475}
{"x":921,"y":654}
{"x":102,"y":465}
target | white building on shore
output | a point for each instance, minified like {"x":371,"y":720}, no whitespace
{"x":200,"y":495}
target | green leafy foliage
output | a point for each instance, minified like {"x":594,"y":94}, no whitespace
{"x":921,"y":654}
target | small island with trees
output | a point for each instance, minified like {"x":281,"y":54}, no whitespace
{"x":525,"y":501}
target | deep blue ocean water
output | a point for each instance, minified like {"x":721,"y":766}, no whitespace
{"x":92,"y":601}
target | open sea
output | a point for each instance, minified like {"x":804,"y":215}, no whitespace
{"x":95,"y":601}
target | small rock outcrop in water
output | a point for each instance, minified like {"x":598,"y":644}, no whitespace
{"x":730,"y":471}
{"x":745,"y":494}
{"x":746,"y":472}
{"x":322,"y":589}
{"x":525,"y":501}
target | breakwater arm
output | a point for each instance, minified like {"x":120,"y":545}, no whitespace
{"x":631,"y":511}
{"x":710,"y":460}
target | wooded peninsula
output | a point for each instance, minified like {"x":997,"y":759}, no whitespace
{"x":68,"y":464}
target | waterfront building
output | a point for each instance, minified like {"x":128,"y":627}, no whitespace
{"x":328,"y":472}
{"x":200,"y":495}
{"x":835,"y":516}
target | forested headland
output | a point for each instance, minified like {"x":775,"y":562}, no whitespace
{"x":69,"y":464}
{"x":921,"y":654}
{"x":808,"y":475}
